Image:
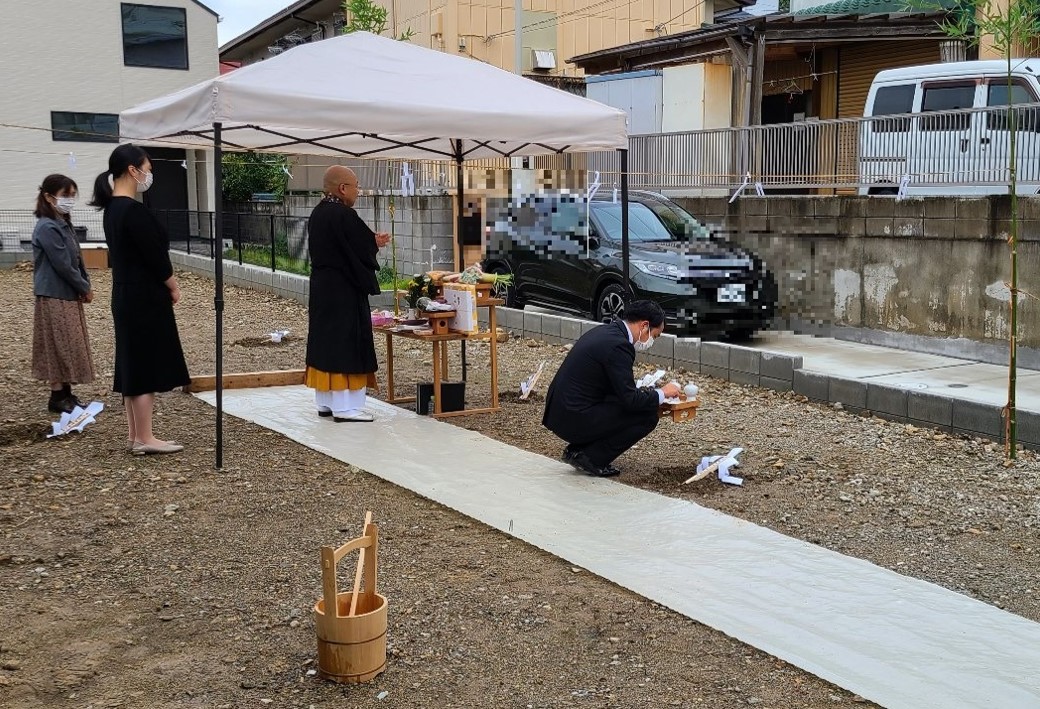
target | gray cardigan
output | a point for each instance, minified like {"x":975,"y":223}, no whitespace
{"x":58,"y":270}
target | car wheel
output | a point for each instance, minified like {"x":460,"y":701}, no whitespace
{"x":610,"y":302}
{"x":740,"y":334}
{"x":506,"y":293}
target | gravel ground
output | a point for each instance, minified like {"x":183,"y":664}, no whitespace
{"x":159,"y":582}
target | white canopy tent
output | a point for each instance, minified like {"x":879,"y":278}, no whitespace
{"x":365,"y":96}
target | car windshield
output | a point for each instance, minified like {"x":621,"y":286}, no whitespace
{"x":656,"y":221}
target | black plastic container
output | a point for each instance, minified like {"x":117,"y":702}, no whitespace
{"x":453,"y":397}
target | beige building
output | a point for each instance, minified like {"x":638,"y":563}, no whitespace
{"x":69,"y":68}
{"x":552,"y":30}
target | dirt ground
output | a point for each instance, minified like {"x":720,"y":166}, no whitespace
{"x":161,"y":582}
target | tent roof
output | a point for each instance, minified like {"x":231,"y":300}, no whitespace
{"x":368,"y":96}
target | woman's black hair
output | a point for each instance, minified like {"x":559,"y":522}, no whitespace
{"x":121,"y":159}
{"x":53,"y":185}
{"x":640,"y":310}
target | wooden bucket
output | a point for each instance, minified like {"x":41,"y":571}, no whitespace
{"x":352,"y":638}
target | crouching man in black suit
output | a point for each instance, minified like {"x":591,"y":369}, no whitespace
{"x":593,"y":402}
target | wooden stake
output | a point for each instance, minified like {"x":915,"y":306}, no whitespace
{"x":706,"y":472}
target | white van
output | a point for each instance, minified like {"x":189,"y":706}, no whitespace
{"x":964,"y":148}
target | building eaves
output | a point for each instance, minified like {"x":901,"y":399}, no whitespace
{"x":661,"y":44}
{"x":207,"y":8}
{"x":275,"y":26}
{"x":786,"y":27}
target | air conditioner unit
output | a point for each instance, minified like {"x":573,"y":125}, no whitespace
{"x":543,"y":59}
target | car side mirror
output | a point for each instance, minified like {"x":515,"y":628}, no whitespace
{"x":592,"y":241}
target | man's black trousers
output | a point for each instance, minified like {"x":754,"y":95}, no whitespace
{"x":606,"y":431}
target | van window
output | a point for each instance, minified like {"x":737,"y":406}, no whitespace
{"x":997,"y":95}
{"x":947,"y":97}
{"x":892,"y":100}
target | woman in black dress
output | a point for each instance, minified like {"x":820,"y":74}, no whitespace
{"x":149,"y":357}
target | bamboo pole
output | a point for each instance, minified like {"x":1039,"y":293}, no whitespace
{"x":1011,"y":439}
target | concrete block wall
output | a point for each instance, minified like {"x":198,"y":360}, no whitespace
{"x":921,"y":273}
{"x":420,"y":222}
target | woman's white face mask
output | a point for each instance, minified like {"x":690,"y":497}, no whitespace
{"x":143,"y":185}
{"x":64,"y":205}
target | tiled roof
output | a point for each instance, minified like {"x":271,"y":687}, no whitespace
{"x":869,"y":7}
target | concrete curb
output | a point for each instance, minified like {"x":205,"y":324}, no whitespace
{"x":10,"y":259}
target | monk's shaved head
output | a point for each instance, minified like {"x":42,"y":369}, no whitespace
{"x":338,"y":175}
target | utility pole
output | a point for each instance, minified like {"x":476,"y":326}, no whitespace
{"x":518,"y":39}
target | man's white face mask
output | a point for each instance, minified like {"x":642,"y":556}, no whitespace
{"x":644,"y":346}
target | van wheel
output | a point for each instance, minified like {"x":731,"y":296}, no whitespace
{"x":610,"y":302}
{"x":506,"y":293}
{"x":888,"y":191}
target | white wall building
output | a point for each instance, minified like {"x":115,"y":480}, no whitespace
{"x":69,"y":67}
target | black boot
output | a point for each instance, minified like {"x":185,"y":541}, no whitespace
{"x":67,"y":390}
{"x":60,"y":403}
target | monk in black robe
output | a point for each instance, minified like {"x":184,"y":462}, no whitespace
{"x":341,"y":354}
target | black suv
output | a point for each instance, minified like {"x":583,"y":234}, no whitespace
{"x":705,"y":285}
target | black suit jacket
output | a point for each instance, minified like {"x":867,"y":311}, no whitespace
{"x":597,"y":370}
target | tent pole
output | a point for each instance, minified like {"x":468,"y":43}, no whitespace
{"x":624,"y":217}
{"x":460,"y":262}
{"x":459,"y":245}
{"x":218,"y":285}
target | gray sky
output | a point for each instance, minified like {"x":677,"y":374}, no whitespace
{"x":240,"y":15}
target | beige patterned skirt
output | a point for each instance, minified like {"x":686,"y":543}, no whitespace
{"x":61,"y":346}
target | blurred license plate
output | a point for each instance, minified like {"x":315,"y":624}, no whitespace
{"x":732,"y":293}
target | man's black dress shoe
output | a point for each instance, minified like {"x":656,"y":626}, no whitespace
{"x":581,"y":461}
{"x":569,"y":453}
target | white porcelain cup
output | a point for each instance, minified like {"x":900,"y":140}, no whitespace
{"x":691,"y":391}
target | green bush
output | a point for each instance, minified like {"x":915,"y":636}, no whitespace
{"x":261,"y":256}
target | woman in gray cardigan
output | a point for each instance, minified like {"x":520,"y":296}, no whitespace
{"x":61,"y":346}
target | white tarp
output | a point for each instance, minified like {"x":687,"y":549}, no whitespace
{"x":368,"y":96}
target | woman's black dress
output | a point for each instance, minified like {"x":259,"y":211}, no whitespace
{"x":149,"y":357}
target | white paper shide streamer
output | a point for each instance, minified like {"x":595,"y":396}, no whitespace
{"x":76,"y":420}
